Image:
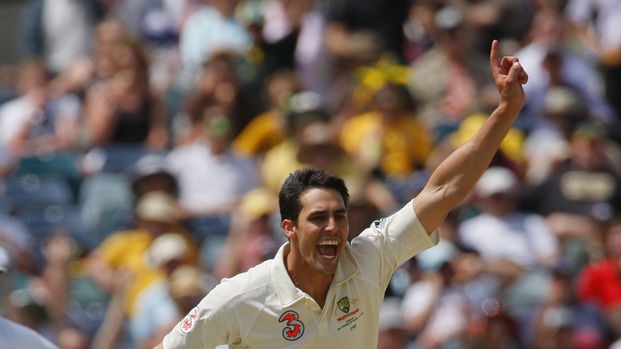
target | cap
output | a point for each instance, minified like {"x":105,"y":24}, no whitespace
{"x":565,"y":102}
{"x":449,"y":17}
{"x":304,"y":108}
{"x":158,"y":206}
{"x":589,"y":130}
{"x":257,"y":202}
{"x":496,"y":180}
{"x":186,"y":281}
{"x":149,"y":166}
{"x":165,"y":248}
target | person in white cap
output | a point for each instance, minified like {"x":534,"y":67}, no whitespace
{"x":156,"y":308}
{"x":122,"y":252}
{"x":321,"y":291}
{"x":507,"y":238}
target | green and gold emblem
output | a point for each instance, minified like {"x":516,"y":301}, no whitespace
{"x":343,"y":304}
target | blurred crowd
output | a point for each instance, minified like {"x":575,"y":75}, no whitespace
{"x":143,"y":142}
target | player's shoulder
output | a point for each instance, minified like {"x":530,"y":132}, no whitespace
{"x":245,"y":284}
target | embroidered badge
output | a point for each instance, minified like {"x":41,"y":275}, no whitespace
{"x":348,"y":312}
{"x":343,"y":304}
{"x":188,"y":322}
{"x":295,"y":328}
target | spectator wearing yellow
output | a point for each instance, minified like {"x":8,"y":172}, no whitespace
{"x":122,"y":254}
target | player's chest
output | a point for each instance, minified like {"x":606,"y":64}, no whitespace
{"x":347,"y":318}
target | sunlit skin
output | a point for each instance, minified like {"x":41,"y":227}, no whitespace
{"x":322,"y":220}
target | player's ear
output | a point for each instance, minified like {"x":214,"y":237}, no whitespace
{"x":288,"y":227}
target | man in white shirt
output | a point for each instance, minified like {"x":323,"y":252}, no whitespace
{"x":321,"y":291}
{"x":501,"y":232}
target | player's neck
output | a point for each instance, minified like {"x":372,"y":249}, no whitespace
{"x":311,"y":282}
{"x":317,"y":288}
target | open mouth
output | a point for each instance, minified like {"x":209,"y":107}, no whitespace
{"x":327,"y":248}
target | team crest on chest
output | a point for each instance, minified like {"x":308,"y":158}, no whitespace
{"x":347,"y":313}
{"x":343,"y":304}
{"x":294,"y":328}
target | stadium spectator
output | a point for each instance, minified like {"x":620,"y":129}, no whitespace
{"x":211,"y":177}
{"x":123,"y":110}
{"x":121,"y":255}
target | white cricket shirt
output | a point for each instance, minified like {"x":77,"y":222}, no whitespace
{"x":262,"y":308}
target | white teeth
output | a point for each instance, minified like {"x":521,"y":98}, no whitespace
{"x":329,"y":243}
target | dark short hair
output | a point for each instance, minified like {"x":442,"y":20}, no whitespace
{"x":301,"y":181}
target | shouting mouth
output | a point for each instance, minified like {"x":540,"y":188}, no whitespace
{"x":328,"y":248}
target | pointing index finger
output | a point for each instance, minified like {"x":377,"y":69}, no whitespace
{"x":493,"y":57}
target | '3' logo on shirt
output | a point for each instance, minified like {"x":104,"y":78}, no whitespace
{"x":188,"y":322}
{"x":294,"y":328}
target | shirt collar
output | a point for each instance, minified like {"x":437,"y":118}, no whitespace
{"x":288,"y":293}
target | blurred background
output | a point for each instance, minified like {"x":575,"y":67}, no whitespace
{"x":143,"y":143}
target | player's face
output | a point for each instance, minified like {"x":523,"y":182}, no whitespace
{"x":321,"y":232}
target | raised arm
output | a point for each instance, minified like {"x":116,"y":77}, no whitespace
{"x":455,"y":177}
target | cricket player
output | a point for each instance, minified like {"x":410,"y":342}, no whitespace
{"x":322,"y":292}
